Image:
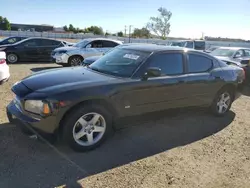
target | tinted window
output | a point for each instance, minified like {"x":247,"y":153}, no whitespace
{"x":197,"y":63}
{"x":189,"y":44}
{"x":247,"y":52}
{"x":32,"y":43}
{"x":108,"y":44}
{"x":169,"y":63}
{"x":12,"y":40}
{"x":199,"y":45}
{"x":96,"y":44}
{"x":46,"y":42}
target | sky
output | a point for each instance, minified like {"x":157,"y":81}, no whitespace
{"x":216,"y":18}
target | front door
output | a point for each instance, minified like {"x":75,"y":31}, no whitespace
{"x":157,"y":93}
{"x":29,"y":49}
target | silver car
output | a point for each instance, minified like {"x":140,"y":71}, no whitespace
{"x":231,"y":54}
{"x":74,"y":55}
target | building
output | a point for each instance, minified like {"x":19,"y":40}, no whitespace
{"x":31,"y":27}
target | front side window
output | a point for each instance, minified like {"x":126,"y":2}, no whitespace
{"x":189,"y":44}
{"x":119,"y":62}
{"x":198,"y":63}
{"x":12,"y":40}
{"x":239,"y":53}
{"x":96,"y":44}
{"x":247,"y":52}
{"x":169,"y":63}
{"x":32,"y":43}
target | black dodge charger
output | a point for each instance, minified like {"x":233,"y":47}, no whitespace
{"x":81,"y":103}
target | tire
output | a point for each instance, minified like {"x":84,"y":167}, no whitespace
{"x":222,"y":102}
{"x":75,"y":61}
{"x":12,"y":58}
{"x":77,"y":134}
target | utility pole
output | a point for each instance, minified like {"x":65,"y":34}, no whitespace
{"x":129,"y":33}
{"x":125,"y":31}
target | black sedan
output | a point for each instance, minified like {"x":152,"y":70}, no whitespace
{"x":81,"y":103}
{"x":11,"y":40}
{"x":31,"y":49}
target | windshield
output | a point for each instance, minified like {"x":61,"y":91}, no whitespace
{"x":81,"y":44}
{"x":119,"y":62}
{"x":223,"y":52}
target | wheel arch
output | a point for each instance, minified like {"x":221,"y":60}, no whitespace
{"x":100,"y":102}
{"x":231,"y":87}
{"x":75,"y":55}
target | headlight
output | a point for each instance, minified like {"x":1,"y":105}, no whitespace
{"x":36,"y":106}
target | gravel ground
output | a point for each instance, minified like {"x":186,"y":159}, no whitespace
{"x":184,"y":149}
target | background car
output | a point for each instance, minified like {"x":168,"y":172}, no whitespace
{"x":73,"y":56}
{"x":35,"y":49}
{"x":211,"y":48}
{"x":11,"y":40}
{"x":4,"y":68}
{"x":127,"y":81}
{"x":195,"y":44}
{"x":66,"y":43}
{"x":231,"y":54}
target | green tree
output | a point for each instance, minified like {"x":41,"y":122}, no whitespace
{"x":96,"y":30}
{"x":120,"y":34}
{"x":65,"y":28}
{"x":71,"y":28}
{"x":142,"y":33}
{"x":4,"y":23}
{"x":160,"y":25}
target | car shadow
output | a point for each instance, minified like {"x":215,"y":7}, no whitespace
{"x":43,"y":68}
{"x":140,"y":137}
{"x":246,"y":90}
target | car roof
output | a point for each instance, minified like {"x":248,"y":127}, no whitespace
{"x":107,"y":39}
{"x":234,"y":48}
{"x":33,"y":38}
{"x":154,"y":48}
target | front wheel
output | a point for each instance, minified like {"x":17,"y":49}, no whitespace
{"x":75,"y":61}
{"x":87,"y":127}
{"x":12,"y":58}
{"x":222,"y":102}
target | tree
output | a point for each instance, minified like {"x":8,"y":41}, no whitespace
{"x":107,"y":34}
{"x":71,"y":28}
{"x":142,"y":33}
{"x":120,"y":34}
{"x":65,"y":28}
{"x":96,"y":30}
{"x":4,"y":23}
{"x":160,"y":25}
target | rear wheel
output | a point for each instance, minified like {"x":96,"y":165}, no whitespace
{"x":75,"y":61}
{"x":87,"y":127}
{"x":222,"y":102}
{"x":12,"y":58}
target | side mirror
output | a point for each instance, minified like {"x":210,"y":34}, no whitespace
{"x":152,"y":72}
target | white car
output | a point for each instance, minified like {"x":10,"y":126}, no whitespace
{"x":74,"y":55}
{"x":4,"y":68}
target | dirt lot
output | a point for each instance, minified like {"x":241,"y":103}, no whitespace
{"x":185,"y":149}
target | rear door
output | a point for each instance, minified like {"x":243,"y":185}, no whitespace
{"x":202,"y":82}
{"x":47,"y":47}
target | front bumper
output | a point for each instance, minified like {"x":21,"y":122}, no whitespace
{"x":60,"y":58}
{"x":4,"y":73}
{"x":46,"y":125}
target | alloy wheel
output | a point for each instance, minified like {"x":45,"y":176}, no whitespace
{"x":89,"y":129}
{"x":76,"y":61}
{"x":12,"y":58}
{"x":223,"y":102}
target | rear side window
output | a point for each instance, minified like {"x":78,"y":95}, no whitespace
{"x":46,"y":42}
{"x":198,"y":63}
{"x":199,"y":45}
{"x":169,"y":63}
{"x":108,"y":44}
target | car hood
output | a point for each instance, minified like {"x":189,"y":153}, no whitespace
{"x":222,"y":58}
{"x":63,"y":79}
{"x":91,"y":59}
{"x":66,"y":48}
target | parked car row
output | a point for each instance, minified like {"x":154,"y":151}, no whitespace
{"x":82,"y":103}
